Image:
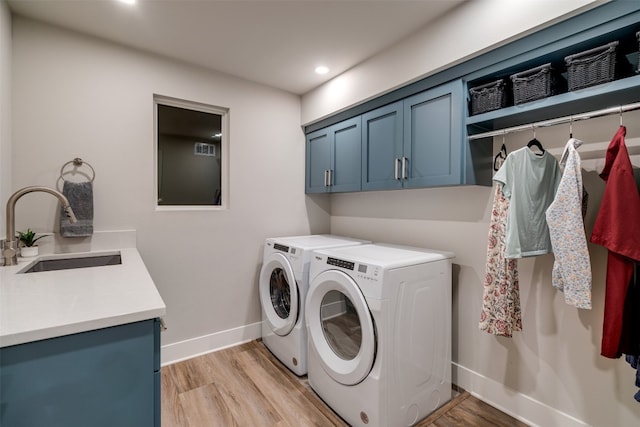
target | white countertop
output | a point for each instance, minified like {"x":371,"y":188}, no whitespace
{"x":36,"y":306}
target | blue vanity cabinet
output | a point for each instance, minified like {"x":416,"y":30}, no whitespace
{"x":333,"y":158}
{"x":432,"y":143}
{"x":107,"y":377}
{"x":382,"y":147}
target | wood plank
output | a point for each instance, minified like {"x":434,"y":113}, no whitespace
{"x":244,"y":398}
{"x":205,"y":406}
{"x":288,"y":397}
{"x":476,"y":412}
{"x":435,"y":415}
{"x":172,"y":413}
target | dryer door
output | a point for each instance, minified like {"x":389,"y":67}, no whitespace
{"x":279,"y":294}
{"x":341,"y":328}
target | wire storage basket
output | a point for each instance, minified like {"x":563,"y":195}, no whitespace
{"x":536,"y":83}
{"x":488,"y":97}
{"x":596,"y":66}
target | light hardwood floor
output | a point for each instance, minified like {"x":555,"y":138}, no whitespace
{"x":247,"y":386}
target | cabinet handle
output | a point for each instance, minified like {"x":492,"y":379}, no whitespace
{"x":395,"y":168}
{"x":404,"y":168}
{"x":325,"y":177}
{"x":330,"y":177}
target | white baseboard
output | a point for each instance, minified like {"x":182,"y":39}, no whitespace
{"x":187,"y":349}
{"x":518,"y":405}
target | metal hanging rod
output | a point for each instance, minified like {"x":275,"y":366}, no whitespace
{"x":552,"y":122}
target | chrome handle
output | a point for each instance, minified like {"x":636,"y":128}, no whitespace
{"x":395,"y":168}
{"x":404,"y":168}
{"x":325,"y":177}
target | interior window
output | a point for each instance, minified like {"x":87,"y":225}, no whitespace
{"x":191,"y":148}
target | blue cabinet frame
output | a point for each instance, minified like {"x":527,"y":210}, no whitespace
{"x":613,"y":20}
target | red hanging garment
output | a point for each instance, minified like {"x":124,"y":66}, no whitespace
{"x":617,"y":228}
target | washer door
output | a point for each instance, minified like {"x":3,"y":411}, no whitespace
{"x":279,"y":294}
{"x":341,"y":328}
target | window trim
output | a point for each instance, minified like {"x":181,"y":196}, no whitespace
{"x":224,"y":152}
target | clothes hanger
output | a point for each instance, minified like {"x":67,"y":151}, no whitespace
{"x":535,"y":143}
{"x":621,"y":116}
{"x":570,"y":126}
{"x":501,"y":156}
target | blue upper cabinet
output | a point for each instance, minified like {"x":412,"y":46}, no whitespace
{"x":433,"y":137}
{"x":416,"y":142}
{"x":333,"y":158}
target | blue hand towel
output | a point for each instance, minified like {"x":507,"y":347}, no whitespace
{"x":80,"y":196}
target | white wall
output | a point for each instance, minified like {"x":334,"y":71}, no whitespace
{"x":76,"y":96}
{"x":551,"y":374}
{"x":5,"y":107}
{"x":466,"y":31}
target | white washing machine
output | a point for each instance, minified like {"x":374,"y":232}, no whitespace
{"x":379,"y":321}
{"x":284,"y":280}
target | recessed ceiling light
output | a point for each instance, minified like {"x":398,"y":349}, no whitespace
{"x":322,"y":69}
{"x":127,"y":1}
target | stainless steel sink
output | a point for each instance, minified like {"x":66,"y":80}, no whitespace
{"x":74,"y":262}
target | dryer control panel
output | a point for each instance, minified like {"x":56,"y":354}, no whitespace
{"x":361,"y":271}
{"x":340,"y":263}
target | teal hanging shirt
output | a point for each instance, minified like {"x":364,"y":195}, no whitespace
{"x":529,"y":181}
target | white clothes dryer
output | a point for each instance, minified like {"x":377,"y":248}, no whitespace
{"x":379,"y":321}
{"x":284,"y":280}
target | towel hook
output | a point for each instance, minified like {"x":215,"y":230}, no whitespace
{"x":78,"y":162}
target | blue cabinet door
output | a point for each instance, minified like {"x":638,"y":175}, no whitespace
{"x":433,"y":136}
{"x":318,"y":162}
{"x":98,"y":378}
{"x":382,"y":148}
{"x":346,"y":163}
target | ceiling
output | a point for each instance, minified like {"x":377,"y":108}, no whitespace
{"x":274,"y":42}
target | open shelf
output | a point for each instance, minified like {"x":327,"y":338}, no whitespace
{"x":606,"y":95}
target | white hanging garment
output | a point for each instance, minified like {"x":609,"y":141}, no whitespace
{"x":572,"y":266}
